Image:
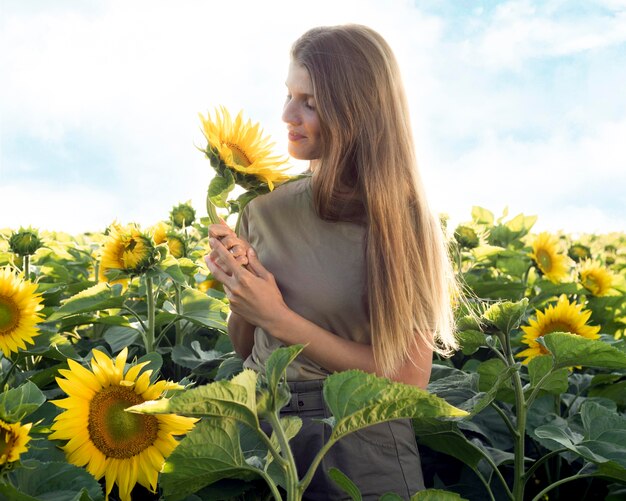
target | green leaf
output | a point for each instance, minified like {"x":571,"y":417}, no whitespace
{"x":194,"y":356}
{"x":346,"y":484}
{"x":54,"y":481}
{"x":155,"y":362}
{"x":615,"y":391}
{"x":120,"y":336}
{"x":471,"y":341}
{"x":506,"y":316}
{"x":220,"y":187}
{"x":210,"y":452}
{"x":445,"y":437}
{"x":357,"y":399}
{"x":482,"y":216}
{"x":571,"y":350}
{"x":277,"y":363}
{"x":53,"y":345}
{"x":17,"y":403}
{"x":202,"y":309}
{"x":99,"y":297}
{"x":230,"y":400}
{"x":495,"y":376}
{"x":169,"y":266}
{"x":556,"y":383}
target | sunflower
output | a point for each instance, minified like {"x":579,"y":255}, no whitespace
{"x":552,"y":264}
{"x":123,"y":447}
{"x":127,"y":249}
{"x":595,"y":278}
{"x":466,"y":237}
{"x":579,"y":252}
{"x":159,"y":232}
{"x":19,"y":306}
{"x":176,"y":244}
{"x":25,"y":242}
{"x":241,"y":148}
{"x":564,"y":317}
{"x":13,"y":440}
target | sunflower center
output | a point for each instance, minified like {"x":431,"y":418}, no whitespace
{"x":592,"y":283}
{"x":239,"y":156}
{"x":545,"y":260}
{"x":7,"y":439}
{"x":117,"y":433}
{"x":9,"y":315}
{"x":558,"y":326}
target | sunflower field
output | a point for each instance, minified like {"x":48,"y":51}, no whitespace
{"x":532,"y":407}
{"x":119,"y":381}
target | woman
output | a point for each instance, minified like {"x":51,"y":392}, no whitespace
{"x":350,"y":262}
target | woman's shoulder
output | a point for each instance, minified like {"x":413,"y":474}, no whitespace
{"x":287,"y":196}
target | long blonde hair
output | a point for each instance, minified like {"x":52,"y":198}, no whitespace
{"x":368,"y":170}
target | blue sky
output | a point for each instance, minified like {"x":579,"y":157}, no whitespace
{"x":514,"y":103}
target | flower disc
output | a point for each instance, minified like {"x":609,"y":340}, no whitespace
{"x":564,"y":317}
{"x":552,"y":264}
{"x":19,"y":306}
{"x":125,"y":448}
{"x":127,"y":249}
{"x":13,"y":440}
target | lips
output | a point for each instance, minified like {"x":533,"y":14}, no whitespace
{"x":294,"y":136}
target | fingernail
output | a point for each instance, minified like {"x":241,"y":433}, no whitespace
{"x":252,"y":252}
{"x":212,"y":241}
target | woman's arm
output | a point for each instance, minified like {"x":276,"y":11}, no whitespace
{"x":254,"y":295}
{"x":241,"y":334}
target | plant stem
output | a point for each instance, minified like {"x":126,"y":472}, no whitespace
{"x":26,"y":267}
{"x":520,"y":410}
{"x":304,"y":483}
{"x":541,"y":461}
{"x":149,"y":339}
{"x":291,"y":471}
{"x":499,"y":475}
{"x":177,"y":326}
{"x":505,"y":418}
{"x":535,"y":392}
{"x":485,"y":483}
{"x":561,"y":482}
{"x":9,"y":372}
{"x":212,"y":213}
{"x":270,"y":483}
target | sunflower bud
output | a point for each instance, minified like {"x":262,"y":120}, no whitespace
{"x":183,"y":215}
{"x":466,"y":237}
{"x":25,"y":242}
{"x":579,"y":252}
{"x":176,"y":244}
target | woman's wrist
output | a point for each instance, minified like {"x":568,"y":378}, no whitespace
{"x":278,"y":325}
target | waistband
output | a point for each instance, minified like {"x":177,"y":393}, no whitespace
{"x":305,"y":396}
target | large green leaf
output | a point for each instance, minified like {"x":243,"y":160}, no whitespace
{"x":496,"y":376}
{"x":99,"y":297}
{"x":17,"y":403}
{"x":603,"y":442}
{"x":120,"y":336}
{"x":507,"y":315}
{"x":556,"y":383}
{"x":52,"y":481}
{"x":481,"y":215}
{"x":357,"y":399}
{"x":210,"y":452}
{"x":571,"y":350}
{"x":170,"y":267}
{"x":229,"y":400}
{"x":471,"y":341}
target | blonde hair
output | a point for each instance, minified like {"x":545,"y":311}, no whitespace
{"x":368,"y":170}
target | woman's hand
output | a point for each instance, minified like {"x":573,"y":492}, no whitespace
{"x":252,"y":291}
{"x":235,"y":245}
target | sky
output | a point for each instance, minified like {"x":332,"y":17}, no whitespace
{"x":517,"y":104}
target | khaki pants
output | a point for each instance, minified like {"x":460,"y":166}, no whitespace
{"x":378,"y":459}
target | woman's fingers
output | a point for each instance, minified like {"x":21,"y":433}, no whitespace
{"x":220,"y":231}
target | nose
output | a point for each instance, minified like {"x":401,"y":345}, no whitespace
{"x":290,"y":113}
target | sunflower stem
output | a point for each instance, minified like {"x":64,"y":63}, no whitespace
{"x":291,"y":472}
{"x":149,"y":339}
{"x":26,"y":266}
{"x":9,"y":372}
{"x":211,"y":211}
{"x":177,"y":326}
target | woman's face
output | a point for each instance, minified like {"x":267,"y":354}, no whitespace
{"x":300,"y":115}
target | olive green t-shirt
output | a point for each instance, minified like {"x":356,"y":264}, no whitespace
{"x":319,"y":267}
